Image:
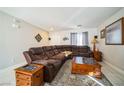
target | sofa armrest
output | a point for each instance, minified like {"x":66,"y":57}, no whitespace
{"x":48,"y":73}
{"x":27,"y":57}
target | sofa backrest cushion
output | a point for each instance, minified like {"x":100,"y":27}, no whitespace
{"x":68,"y":48}
{"x":47,"y":48}
{"x":58,"y":49}
{"x":37,"y":54}
{"x":36,"y":51}
{"x":55,"y":51}
{"x":83,"y":49}
{"x":49,"y":54}
{"x":74,"y":49}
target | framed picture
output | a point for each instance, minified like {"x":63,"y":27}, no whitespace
{"x":102,"y":33}
{"x":38,"y":37}
{"x":114,"y":34}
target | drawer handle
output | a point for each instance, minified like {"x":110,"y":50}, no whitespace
{"x":27,"y":77}
{"x":27,"y":83}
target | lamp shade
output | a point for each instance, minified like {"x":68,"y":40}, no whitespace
{"x":94,"y":41}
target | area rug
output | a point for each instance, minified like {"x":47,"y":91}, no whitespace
{"x":65,"y":78}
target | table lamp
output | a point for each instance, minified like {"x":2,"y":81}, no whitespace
{"x":94,"y":41}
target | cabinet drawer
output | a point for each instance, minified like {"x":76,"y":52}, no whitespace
{"x":21,"y":82}
{"x":38,"y":76}
{"x":23,"y":76}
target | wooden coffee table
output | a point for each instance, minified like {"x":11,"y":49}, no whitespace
{"x":86,"y":66}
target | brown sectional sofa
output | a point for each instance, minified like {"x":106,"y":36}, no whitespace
{"x":52,"y":57}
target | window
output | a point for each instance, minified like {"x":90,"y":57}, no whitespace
{"x":73,"y":38}
{"x":85,"y":38}
{"x":80,"y":38}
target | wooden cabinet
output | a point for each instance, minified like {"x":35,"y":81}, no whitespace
{"x":26,"y":77}
{"x":98,"y":55}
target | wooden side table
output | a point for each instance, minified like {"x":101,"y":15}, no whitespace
{"x":98,"y":55}
{"x":29,"y":75}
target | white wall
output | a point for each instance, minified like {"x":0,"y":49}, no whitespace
{"x":13,"y":41}
{"x":57,"y":36}
{"x":113,"y":54}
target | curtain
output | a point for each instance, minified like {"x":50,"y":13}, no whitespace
{"x":85,"y":38}
{"x":73,"y":38}
{"x":79,"y":39}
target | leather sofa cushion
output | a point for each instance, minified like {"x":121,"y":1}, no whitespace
{"x":46,"y":62}
{"x":43,"y":62}
{"x":80,"y":49}
{"x":83,"y":50}
{"x":47,"y":48}
{"x":58,"y":49}
{"x":51,"y":62}
{"x":56,"y":64}
{"x":37,"y":54}
{"x":60,"y":56}
{"x":53,"y":47}
{"x":67,"y":48}
{"x":38,"y":57}
{"x":81,"y":54}
{"x":49,"y":54}
{"x":55,"y":51}
{"x":36,"y":51}
{"x":85,"y":54}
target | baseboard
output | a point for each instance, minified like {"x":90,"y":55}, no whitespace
{"x":114,"y":67}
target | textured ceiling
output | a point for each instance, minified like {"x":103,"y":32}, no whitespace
{"x":62,"y":18}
